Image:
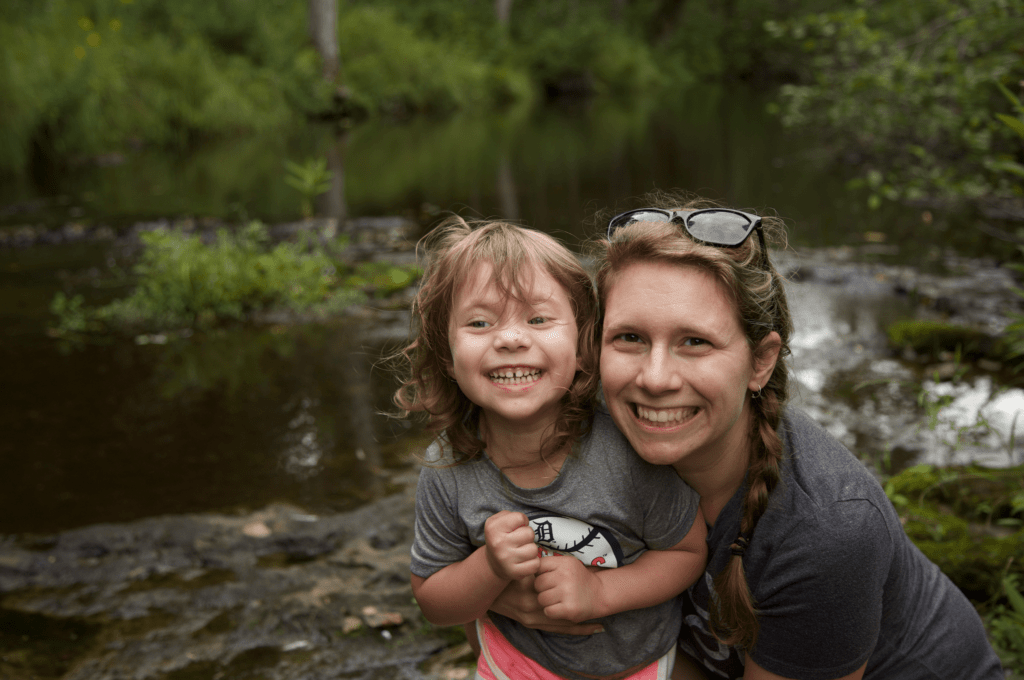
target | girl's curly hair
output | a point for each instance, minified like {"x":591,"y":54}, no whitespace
{"x":450,"y":253}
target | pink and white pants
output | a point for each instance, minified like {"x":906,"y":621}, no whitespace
{"x":500,"y":660}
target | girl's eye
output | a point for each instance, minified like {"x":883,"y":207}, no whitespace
{"x":478,"y":324}
{"x":537,"y":320}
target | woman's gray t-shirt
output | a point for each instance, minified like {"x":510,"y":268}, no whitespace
{"x":606,"y":507}
{"x":836,"y":581}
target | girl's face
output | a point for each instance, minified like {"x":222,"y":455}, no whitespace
{"x":515,"y":360}
{"x":676,"y":367}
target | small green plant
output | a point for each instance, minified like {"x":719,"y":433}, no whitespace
{"x":1005,"y":624}
{"x":183,"y":282}
{"x":310,"y":179}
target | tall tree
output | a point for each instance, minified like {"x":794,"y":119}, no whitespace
{"x":323,"y":30}
{"x":502,"y":10}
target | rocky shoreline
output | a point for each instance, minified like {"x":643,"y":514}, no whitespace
{"x":280,"y":594}
{"x":276,"y":594}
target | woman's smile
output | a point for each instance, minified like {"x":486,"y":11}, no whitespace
{"x":664,"y":417}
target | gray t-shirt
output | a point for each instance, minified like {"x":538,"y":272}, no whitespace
{"x":836,"y":581}
{"x":606,"y":507}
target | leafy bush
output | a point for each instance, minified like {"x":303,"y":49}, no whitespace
{"x":1005,"y":624}
{"x":969,"y":521}
{"x":389,"y":68}
{"x":907,"y":90}
{"x":182,"y":282}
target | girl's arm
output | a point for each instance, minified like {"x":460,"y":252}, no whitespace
{"x":463,"y":591}
{"x":567,"y":589}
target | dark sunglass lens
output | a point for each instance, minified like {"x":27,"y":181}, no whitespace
{"x":719,"y":227}
{"x":642,"y":216}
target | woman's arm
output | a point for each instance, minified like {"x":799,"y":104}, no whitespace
{"x":569,"y":590}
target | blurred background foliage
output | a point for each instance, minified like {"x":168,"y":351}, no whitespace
{"x":905,"y":92}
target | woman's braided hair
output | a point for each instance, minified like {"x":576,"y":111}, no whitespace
{"x":757,"y":291}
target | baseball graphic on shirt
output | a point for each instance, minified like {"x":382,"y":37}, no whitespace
{"x":558,"y":535}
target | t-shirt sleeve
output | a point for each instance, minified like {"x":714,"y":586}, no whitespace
{"x":669,"y":505}
{"x":820,"y":597}
{"x":440,"y":537}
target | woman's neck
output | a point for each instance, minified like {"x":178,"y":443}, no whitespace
{"x":716,"y":478}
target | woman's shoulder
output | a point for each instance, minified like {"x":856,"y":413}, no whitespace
{"x":819,"y":470}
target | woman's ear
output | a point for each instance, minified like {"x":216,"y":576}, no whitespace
{"x":766,"y":354}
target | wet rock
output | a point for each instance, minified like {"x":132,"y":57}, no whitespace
{"x":277,"y":593}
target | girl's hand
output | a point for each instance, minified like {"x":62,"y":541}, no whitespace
{"x":567,"y":589}
{"x":519,"y":602}
{"x":511,"y":552}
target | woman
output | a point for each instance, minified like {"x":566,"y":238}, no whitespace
{"x":810,"y":574}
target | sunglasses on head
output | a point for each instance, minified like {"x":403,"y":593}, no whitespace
{"x":722,"y":227}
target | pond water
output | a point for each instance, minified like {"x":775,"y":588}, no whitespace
{"x":244,"y":417}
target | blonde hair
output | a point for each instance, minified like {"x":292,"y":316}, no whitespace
{"x":451,"y":251}
{"x":757,"y":293}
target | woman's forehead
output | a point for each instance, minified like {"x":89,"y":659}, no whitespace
{"x":667,"y":293}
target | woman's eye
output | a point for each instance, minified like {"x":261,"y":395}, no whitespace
{"x":694,"y":342}
{"x":627,"y":337}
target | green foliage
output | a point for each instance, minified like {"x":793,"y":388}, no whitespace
{"x":183,"y":282}
{"x":968,"y":520}
{"x":906,"y":89}
{"x":389,"y":68}
{"x":83,"y":78}
{"x":931,"y":338}
{"x":1005,"y":624}
{"x":1011,"y":345}
{"x":310,"y":179}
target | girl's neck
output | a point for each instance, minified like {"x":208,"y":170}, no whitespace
{"x":518,"y":451}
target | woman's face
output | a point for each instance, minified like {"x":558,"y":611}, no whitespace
{"x":676,"y":367}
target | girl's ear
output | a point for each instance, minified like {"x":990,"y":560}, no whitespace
{"x":766,"y":354}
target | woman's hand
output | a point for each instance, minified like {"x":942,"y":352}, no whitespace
{"x":519,"y":602}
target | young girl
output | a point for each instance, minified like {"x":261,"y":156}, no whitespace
{"x":525,"y":475}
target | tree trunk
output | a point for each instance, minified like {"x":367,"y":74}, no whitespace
{"x":502,"y":10}
{"x":323,"y":30}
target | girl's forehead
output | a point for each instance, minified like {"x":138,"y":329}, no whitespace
{"x":531,"y":284}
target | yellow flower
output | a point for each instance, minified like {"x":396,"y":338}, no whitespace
{"x":85,"y":23}
{"x":80,"y":52}
{"x":94,"y":40}
{"x":115,"y":24}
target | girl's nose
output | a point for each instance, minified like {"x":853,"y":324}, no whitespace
{"x":511,"y":337}
{"x":659,"y":373}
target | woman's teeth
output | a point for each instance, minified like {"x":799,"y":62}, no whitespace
{"x":515,"y":376}
{"x":668,"y":415}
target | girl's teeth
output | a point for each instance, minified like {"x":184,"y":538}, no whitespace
{"x":516,"y":376}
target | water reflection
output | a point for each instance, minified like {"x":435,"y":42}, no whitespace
{"x":228,"y":421}
{"x":550,"y":167}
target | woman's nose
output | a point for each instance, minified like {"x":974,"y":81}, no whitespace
{"x":659,"y":373}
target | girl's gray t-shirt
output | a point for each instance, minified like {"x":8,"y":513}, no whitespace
{"x":836,"y":581}
{"x":606,"y":507}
